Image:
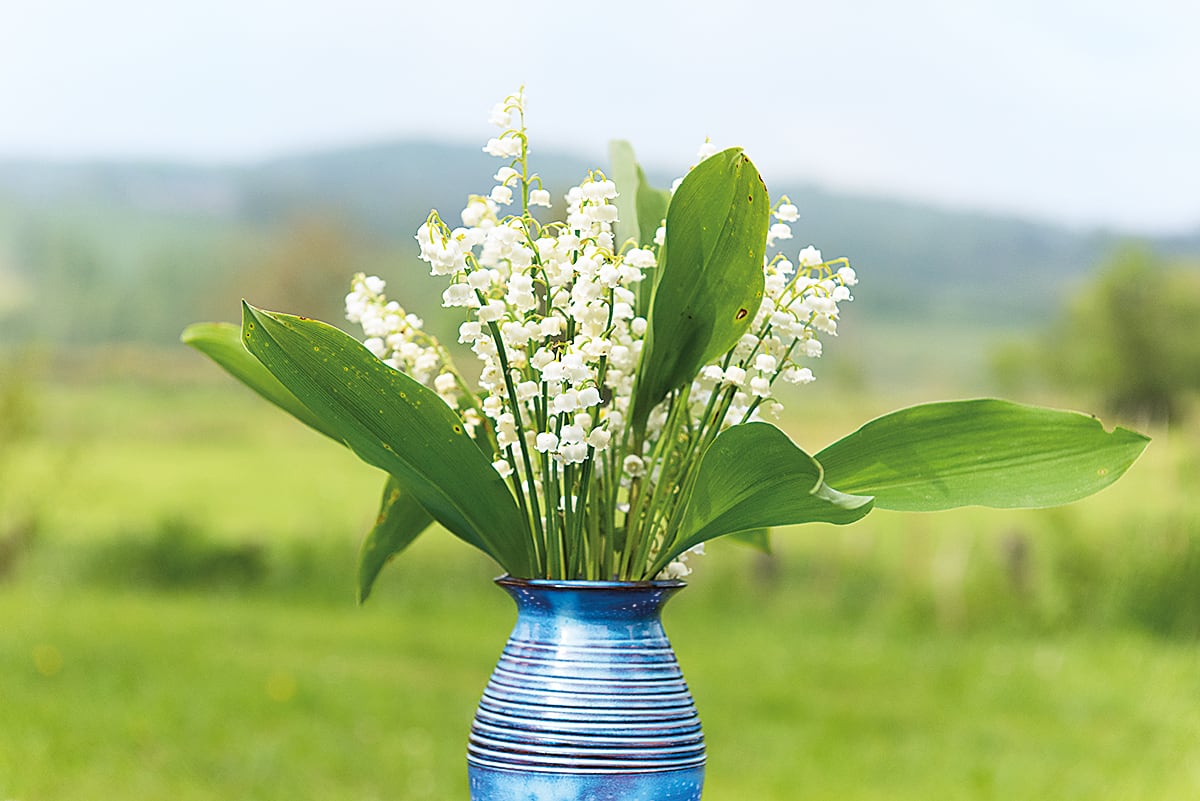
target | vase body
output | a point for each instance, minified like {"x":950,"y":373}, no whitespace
{"x":587,"y":702}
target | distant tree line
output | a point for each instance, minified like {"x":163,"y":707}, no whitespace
{"x":82,"y":286}
{"x":1129,"y":339}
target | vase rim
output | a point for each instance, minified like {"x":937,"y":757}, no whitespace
{"x":588,"y":584}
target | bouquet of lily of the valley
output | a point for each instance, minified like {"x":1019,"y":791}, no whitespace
{"x":630,"y":354}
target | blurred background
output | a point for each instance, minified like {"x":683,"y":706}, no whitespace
{"x":1014,"y":183}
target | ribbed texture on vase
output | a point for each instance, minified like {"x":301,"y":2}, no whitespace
{"x":587,"y":684}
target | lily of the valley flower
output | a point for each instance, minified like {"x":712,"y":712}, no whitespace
{"x":550,"y":310}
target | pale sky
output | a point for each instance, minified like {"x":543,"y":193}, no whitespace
{"x":1079,"y":112}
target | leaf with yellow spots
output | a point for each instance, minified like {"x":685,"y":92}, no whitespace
{"x":222,"y":342}
{"x":418,"y":439}
{"x":710,"y":282}
{"x":400,"y":521}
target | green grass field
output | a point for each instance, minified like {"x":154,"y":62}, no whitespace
{"x":182,"y":627}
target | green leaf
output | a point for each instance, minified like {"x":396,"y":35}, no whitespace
{"x":625,"y":176}
{"x":396,"y":424}
{"x":640,"y":210}
{"x":222,"y":342}
{"x":710,"y":281}
{"x":401,"y":520}
{"x":752,"y":477}
{"x":979,"y":452}
{"x":652,"y":207}
{"x":757,"y":538}
{"x":640,"y":207}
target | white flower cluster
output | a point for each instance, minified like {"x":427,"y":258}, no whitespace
{"x":398,"y":338}
{"x":550,"y":309}
{"x":800,"y":301}
{"x":550,"y":313}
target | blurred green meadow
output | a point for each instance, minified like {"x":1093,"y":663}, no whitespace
{"x":177,"y":558}
{"x":177,"y":620}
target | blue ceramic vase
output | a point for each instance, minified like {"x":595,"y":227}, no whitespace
{"x":587,"y":702}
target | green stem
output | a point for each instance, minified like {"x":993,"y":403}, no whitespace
{"x":554,"y":547}
{"x":648,"y":515}
{"x":581,"y":514}
{"x":537,"y":529}
{"x":686,"y":481}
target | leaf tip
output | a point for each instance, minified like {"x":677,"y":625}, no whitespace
{"x":1129,"y":432}
{"x":250,"y":318}
{"x":189,"y":335}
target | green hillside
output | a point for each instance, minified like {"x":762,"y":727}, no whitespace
{"x":108,"y":252}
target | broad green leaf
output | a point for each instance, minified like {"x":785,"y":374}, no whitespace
{"x":757,"y":538}
{"x":651,"y":208}
{"x":640,"y":207}
{"x":710,"y":282}
{"x":396,"y":424}
{"x":222,"y":342}
{"x":753,"y":477}
{"x":640,"y":210}
{"x":401,"y":520}
{"x":979,"y":453}
{"x":625,"y":175}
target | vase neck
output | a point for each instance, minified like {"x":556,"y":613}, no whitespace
{"x":608,"y":610}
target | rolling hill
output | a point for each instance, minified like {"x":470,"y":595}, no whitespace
{"x":131,"y":250}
